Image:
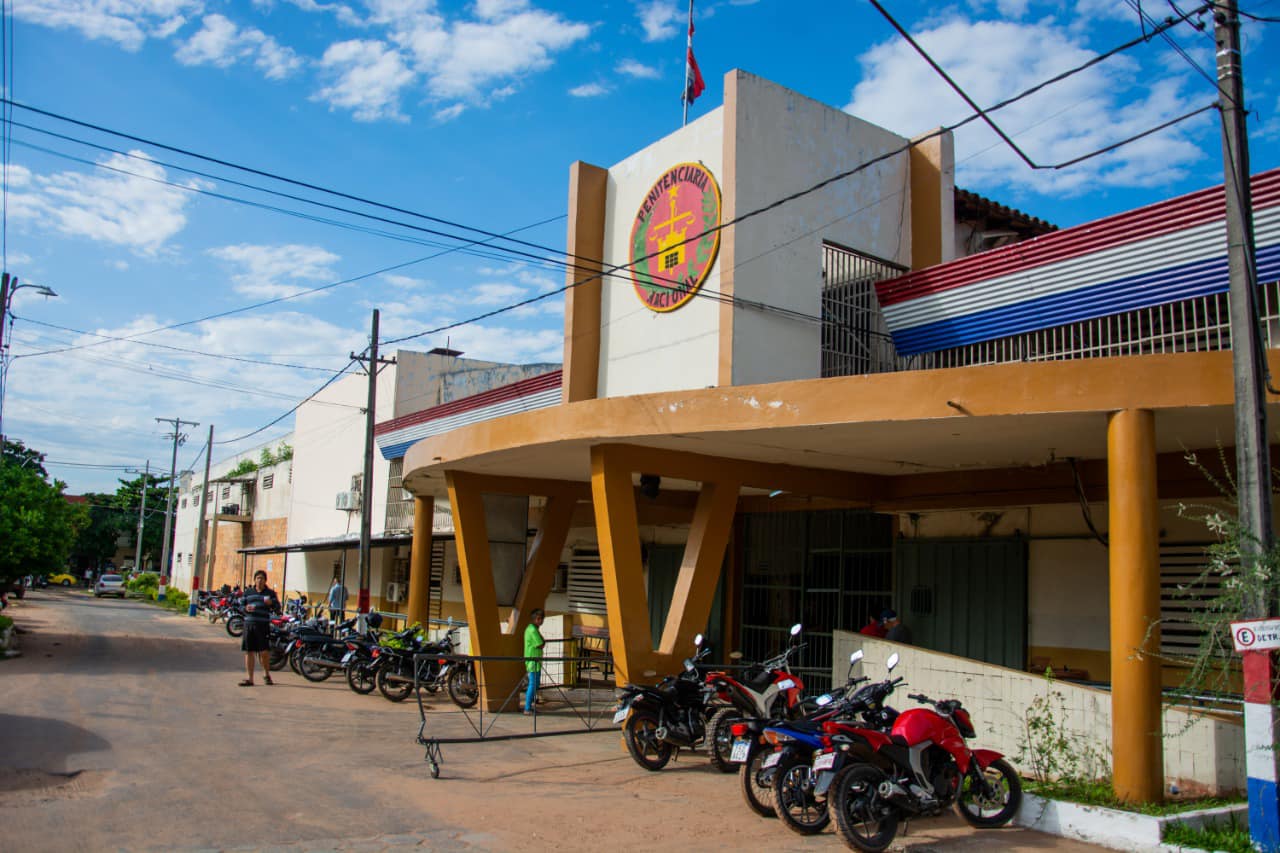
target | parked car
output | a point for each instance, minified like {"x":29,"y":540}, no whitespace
{"x":109,"y":585}
{"x":62,"y":579}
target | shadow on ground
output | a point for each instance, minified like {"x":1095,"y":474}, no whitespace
{"x":40,"y":743}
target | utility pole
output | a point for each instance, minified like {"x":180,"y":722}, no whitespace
{"x":178,"y":437}
{"x":204,"y":503}
{"x":371,"y":363}
{"x":1253,"y":457}
{"x":142,"y":511}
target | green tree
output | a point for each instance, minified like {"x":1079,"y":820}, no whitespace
{"x":111,"y":515}
{"x":37,"y":525}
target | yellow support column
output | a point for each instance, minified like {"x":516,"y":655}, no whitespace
{"x":418,"y":604}
{"x":1136,"y":744}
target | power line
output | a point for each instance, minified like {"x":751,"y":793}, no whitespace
{"x":224,"y":356}
{"x":1262,"y":19}
{"x":310,"y":396}
{"x":1031,"y":164}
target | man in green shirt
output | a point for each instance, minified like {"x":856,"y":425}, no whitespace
{"x":533,"y":644}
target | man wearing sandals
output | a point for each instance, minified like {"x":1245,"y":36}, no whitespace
{"x":259,"y":603}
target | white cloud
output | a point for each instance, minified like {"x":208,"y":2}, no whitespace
{"x":366,"y":77}
{"x":492,"y":10}
{"x":450,"y":112}
{"x":271,"y":271}
{"x":221,"y":43}
{"x":126,"y":210}
{"x":403,"y":282}
{"x":632,"y":68}
{"x":496,"y":293}
{"x":128,"y":23}
{"x":660,"y":19}
{"x":477,"y":54}
{"x":1102,"y":105}
{"x":118,"y":264}
{"x":589,"y":90}
{"x":343,"y":12}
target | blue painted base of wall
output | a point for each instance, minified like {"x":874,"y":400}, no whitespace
{"x":191,"y":610}
{"x":1264,"y":815}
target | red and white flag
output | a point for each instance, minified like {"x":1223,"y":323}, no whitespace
{"x":693,"y":82}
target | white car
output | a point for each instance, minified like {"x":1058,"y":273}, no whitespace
{"x":109,"y":585}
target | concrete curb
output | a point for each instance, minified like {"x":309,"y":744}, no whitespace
{"x":1115,"y":829}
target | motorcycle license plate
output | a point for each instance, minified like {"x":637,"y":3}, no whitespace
{"x":621,"y":715}
{"x":786,"y":684}
{"x":824,"y":762}
{"x":346,"y":659}
{"x":772,"y":759}
{"x":740,"y":750}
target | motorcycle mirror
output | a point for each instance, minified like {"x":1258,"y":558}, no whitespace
{"x":891,"y":662}
{"x":697,"y":641}
{"x":795,"y":630}
{"x":735,"y":655}
{"x":857,"y":656}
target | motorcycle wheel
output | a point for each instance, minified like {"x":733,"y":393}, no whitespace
{"x":793,"y":800}
{"x":987,"y":811}
{"x":360,"y":679}
{"x":277,"y":657}
{"x":865,"y":821}
{"x":394,"y":691}
{"x":294,"y":655}
{"x":641,"y":736}
{"x":462,"y":687}
{"x":720,"y":739}
{"x":311,"y":672}
{"x":757,"y":787}
{"x":235,"y":625}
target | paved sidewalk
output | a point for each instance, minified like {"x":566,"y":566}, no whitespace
{"x":122,"y":728}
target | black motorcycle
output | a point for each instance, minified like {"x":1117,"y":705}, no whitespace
{"x":317,"y":655}
{"x":668,"y":716}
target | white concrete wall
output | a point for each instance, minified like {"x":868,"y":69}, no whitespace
{"x":785,"y":143}
{"x":269,"y":503}
{"x":1202,"y":752}
{"x":643,"y":350}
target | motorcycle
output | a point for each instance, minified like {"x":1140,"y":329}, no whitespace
{"x":922,"y":767}
{"x":770,"y":752}
{"x":317,"y":655}
{"x":766,"y":691}
{"x":661,"y":719}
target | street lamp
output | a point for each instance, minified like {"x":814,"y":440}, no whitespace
{"x":8,"y":287}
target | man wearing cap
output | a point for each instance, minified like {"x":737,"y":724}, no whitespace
{"x":895,"y":631}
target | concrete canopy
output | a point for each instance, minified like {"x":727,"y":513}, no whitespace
{"x":895,"y":427}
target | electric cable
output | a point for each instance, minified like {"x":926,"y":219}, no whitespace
{"x":1262,"y":19}
{"x":1031,"y":164}
{"x":309,"y":397}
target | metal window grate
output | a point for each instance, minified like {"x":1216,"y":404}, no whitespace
{"x":586,"y":583}
{"x":855,"y":339}
{"x":268,"y":481}
{"x":399,"y":502}
{"x":1183,"y":593}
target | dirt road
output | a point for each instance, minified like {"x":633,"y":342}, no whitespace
{"x":121,"y":727}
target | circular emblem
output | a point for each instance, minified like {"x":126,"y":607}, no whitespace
{"x":675,"y":236}
{"x":1245,"y":637}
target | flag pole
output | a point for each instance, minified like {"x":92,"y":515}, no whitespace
{"x":688,"y":50}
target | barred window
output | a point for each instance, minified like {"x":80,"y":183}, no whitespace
{"x":268,"y":481}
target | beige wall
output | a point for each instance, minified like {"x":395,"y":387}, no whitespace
{"x":643,"y":350}
{"x":1203,"y":753}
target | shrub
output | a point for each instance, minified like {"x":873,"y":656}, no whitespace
{"x":5,"y":622}
{"x":146,"y":583}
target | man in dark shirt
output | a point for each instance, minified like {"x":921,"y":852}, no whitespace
{"x":259,"y":603}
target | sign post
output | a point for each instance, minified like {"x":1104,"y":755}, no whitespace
{"x":1257,"y":641}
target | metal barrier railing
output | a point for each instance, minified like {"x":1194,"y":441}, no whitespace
{"x":587,"y":705}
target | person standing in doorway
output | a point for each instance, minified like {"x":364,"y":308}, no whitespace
{"x":337,"y":600}
{"x":260,"y":602}
{"x":533,"y":644}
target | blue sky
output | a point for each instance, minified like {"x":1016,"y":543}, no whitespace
{"x":472,"y":112}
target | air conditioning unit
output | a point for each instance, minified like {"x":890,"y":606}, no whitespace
{"x":349,"y":501}
{"x":395,"y":592}
{"x":230,"y":509}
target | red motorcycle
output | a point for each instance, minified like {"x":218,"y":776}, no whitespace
{"x":764,"y":691}
{"x":922,"y":767}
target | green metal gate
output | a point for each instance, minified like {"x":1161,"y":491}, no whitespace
{"x":966,"y":597}
{"x":828,"y":570}
{"x":664,"y":569}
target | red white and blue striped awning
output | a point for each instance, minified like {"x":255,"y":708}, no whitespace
{"x":1163,"y":253}
{"x":395,"y":436}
